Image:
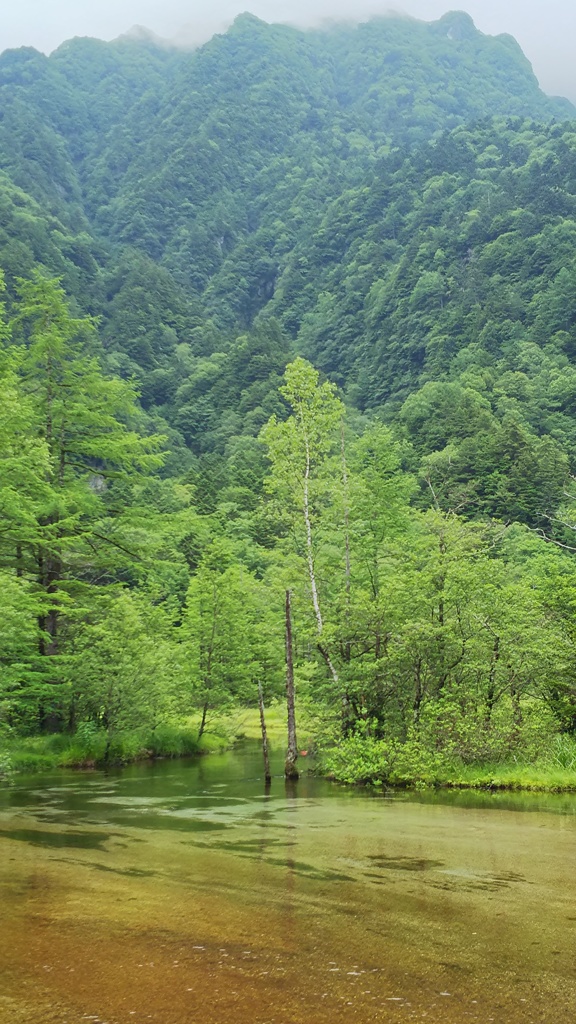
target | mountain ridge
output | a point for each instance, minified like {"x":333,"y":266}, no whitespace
{"x":188,"y":197}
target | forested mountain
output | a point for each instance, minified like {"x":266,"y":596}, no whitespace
{"x":396,"y":202}
{"x":184,"y":197}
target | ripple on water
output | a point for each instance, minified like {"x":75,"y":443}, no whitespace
{"x":441,"y":917}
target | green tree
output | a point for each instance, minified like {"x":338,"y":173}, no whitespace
{"x":303,"y":455}
{"x":78,"y":440}
{"x":122,"y":668}
{"x":215,"y":637}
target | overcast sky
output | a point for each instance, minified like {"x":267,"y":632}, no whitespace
{"x":546,"y":29}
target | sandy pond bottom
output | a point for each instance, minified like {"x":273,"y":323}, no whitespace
{"x":183,"y":892}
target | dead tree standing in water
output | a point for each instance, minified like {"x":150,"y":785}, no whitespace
{"x":267,"y":772}
{"x":290,"y":769}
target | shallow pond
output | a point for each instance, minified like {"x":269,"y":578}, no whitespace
{"x":185,"y":892}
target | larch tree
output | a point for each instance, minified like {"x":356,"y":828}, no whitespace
{"x":79,"y":438}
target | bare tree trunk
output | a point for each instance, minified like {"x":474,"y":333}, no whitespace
{"x":53,"y":576}
{"x":309,"y":550}
{"x":267,"y":772}
{"x":346,"y":709}
{"x":203,"y":721}
{"x":418,"y":694}
{"x":50,"y":569}
{"x":517,"y":716}
{"x":491,"y":695}
{"x":207,"y":679}
{"x":290,"y":769}
{"x":346,"y":525}
{"x":49,"y":574}
{"x":311,"y":570}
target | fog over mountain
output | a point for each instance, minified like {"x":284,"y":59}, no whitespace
{"x":544,"y":30}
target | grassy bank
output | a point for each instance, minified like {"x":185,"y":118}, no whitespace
{"x":542,"y":778}
{"x":245,"y":724}
{"x":378,"y":763}
{"x":88,"y":747}
{"x":353,"y":761}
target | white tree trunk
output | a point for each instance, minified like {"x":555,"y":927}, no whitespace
{"x":311,"y":572}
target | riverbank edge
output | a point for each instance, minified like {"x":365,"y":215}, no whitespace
{"x":411,"y":768}
{"x":86,"y":749}
{"x":359,"y":760}
{"x":512,"y":777}
{"x":39,"y":754}
{"x":493,"y":785}
{"x":486,"y":785}
{"x":506,"y":779}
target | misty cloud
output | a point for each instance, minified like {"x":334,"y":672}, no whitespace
{"x":546,"y":31}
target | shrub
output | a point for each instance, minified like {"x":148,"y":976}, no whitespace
{"x":361,"y":759}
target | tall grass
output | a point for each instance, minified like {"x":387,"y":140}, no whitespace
{"x":562,"y":753}
{"x":92,"y":748}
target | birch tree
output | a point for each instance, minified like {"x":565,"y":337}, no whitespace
{"x":306,"y":464}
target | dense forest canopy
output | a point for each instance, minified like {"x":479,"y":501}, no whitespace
{"x":295,"y":310}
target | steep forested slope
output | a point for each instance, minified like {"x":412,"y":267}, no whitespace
{"x":185,"y":155}
{"x":274,"y":172}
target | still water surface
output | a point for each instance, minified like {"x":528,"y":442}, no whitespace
{"x":185,"y":892}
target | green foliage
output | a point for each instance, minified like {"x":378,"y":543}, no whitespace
{"x":229,"y":638}
{"x":395,"y":201}
{"x":6,"y":767}
{"x":347,"y":183}
{"x":435,"y":643}
{"x":123,"y":667}
{"x":359,"y":759}
{"x":91,"y":747}
{"x":377,"y":762}
{"x":64,"y":433}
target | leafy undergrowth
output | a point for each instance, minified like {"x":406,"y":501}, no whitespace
{"x":356,"y":760}
{"x":379,"y":763}
{"x":89,"y":748}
